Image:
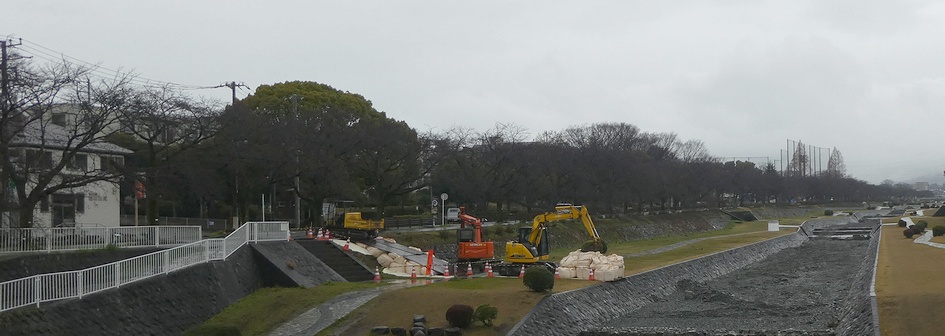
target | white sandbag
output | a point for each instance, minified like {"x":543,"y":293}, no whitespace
{"x":400,"y":260}
{"x":567,"y":272}
{"x":582,"y":263}
{"x":415,"y":249}
{"x":385,"y":260}
{"x":398,"y":268}
{"x":568,"y":261}
{"x":361,"y":245}
{"x":582,"y":272}
{"x":376,"y":252}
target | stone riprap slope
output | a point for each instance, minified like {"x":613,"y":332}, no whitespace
{"x":800,"y":288}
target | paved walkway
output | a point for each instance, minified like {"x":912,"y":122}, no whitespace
{"x":926,"y":238}
{"x":317,"y":319}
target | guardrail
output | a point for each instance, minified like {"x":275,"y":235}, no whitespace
{"x":77,"y":284}
{"x":90,"y":238}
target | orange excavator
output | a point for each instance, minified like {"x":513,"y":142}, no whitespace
{"x":469,"y":236}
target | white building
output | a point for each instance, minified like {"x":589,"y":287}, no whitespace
{"x":41,"y":146}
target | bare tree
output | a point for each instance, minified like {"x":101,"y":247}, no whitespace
{"x":160,"y":124}
{"x":53,"y":116}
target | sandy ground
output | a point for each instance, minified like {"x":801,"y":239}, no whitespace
{"x":799,"y":288}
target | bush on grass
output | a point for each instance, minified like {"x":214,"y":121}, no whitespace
{"x":538,"y":279}
{"x":938,"y":230}
{"x":908,"y":233}
{"x":902,"y":223}
{"x":828,"y":212}
{"x":460,"y":315}
{"x":485,"y":314}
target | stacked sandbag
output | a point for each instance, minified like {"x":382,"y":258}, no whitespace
{"x":579,"y":264}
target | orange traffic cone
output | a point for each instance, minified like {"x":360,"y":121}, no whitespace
{"x":321,"y":234}
{"x":446,"y":274}
{"x":413,"y":273}
{"x":377,"y":274}
{"x":346,"y":248}
{"x":469,"y":272}
{"x":310,"y":234}
{"x":521,"y":274}
{"x":557,"y":274}
{"x":590,"y":276}
{"x":328,"y":234}
{"x":489,"y":271}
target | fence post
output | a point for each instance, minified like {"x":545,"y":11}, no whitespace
{"x":157,"y":234}
{"x":167,"y":261}
{"x":49,"y":236}
{"x":206,"y":244}
{"x":117,"y":274}
{"x":79,"y":282}
{"x":37,"y":292}
{"x":247,"y":232}
{"x":256,"y":232}
{"x":108,"y":237}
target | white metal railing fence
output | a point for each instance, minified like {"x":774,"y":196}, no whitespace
{"x":76,"y":284}
{"x":87,"y":238}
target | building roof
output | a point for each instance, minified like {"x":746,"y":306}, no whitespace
{"x":52,"y":136}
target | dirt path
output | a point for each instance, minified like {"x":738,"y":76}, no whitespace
{"x":909,"y":286}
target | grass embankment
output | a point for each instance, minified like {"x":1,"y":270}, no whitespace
{"x":268,"y":308}
{"x":909,"y":286}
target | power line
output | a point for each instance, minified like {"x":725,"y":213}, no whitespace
{"x":49,"y":54}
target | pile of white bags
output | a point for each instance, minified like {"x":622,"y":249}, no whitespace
{"x":578,"y":264}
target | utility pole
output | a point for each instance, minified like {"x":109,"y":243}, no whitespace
{"x":233,"y":86}
{"x":298,"y":199}
{"x":5,"y":100}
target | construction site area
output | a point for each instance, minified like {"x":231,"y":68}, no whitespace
{"x":780,"y":271}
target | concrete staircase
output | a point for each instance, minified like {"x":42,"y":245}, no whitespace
{"x":339,"y":261}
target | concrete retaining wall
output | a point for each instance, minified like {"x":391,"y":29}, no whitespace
{"x":571,"y":312}
{"x":166,"y":305}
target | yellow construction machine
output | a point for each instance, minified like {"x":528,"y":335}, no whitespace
{"x":532,"y":246}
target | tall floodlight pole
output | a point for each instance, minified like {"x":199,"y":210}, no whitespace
{"x":298,"y":198}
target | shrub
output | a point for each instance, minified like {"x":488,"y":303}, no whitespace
{"x":908,"y":233}
{"x":485,"y":314}
{"x":902,"y":223}
{"x":459,"y":315}
{"x":592,"y":245}
{"x":538,"y":279}
{"x":938,"y":230}
{"x":923,"y":223}
{"x":214,"y":330}
{"x":828,"y":212}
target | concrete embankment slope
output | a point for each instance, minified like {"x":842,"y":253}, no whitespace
{"x":288,"y":264}
{"x":572,"y":312}
{"x":163,"y":305}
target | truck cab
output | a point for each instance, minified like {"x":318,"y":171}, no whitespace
{"x":452,"y":215}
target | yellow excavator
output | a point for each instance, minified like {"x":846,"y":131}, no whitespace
{"x":532,"y":248}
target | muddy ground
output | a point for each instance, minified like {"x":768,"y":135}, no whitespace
{"x":799,"y":289}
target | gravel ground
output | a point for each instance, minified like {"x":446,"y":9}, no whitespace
{"x":798,"y":289}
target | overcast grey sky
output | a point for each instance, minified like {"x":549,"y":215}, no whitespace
{"x":866,"y":77}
